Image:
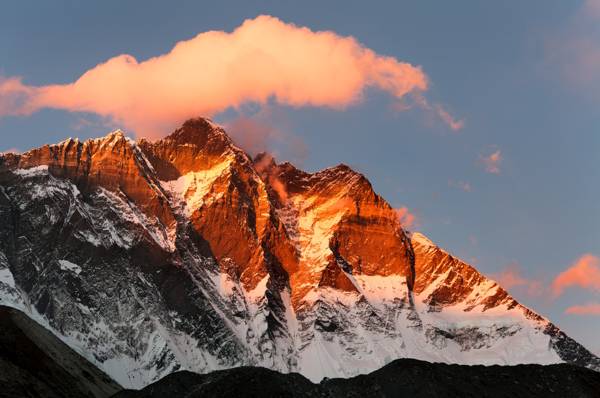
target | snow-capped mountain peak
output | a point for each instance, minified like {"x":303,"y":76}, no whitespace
{"x":185,"y":253}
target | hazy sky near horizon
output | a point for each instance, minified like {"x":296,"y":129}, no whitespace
{"x":497,"y":159}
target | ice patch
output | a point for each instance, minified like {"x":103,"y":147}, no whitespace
{"x":32,"y":171}
{"x":193,"y":187}
{"x":69,"y":266}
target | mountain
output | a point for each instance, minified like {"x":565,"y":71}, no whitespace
{"x":34,"y":363}
{"x":186,"y":254}
{"x":400,"y":378}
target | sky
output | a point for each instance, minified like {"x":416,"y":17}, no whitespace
{"x":478,"y":121}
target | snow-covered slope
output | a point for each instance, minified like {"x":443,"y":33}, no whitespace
{"x":185,"y":253}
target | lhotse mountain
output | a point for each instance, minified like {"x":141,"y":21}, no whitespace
{"x":187,"y":254}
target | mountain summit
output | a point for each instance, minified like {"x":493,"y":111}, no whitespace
{"x":187,"y":254}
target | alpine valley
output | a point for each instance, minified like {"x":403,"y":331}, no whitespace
{"x":148,"y":258}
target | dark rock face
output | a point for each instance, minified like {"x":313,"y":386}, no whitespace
{"x":35,"y":363}
{"x":237,"y":382}
{"x":401,"y":378}
{"x":185,"y":254}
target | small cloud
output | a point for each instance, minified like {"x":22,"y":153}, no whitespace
{"x":465,"y":186}
{"x":492,"y":162}
{"x":572,"y":51}
{"x":252,"y":135}
{"x":263,"y":132}
{"x":406,"y":218}
{"x":584,"y":273}
{"x":81,"y":124}
{"x":535,"y":288}
{"x":433,"y":111}
{"x":453,"y":123}
{"x":511,"y":277}
{"x":586,"y":309}
{"x":591,"y":8}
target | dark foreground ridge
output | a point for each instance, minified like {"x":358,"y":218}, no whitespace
{"x":400,"y":378}
{"x":34,"y":363}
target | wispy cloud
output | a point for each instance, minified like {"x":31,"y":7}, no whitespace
{"x":492,"y":161}
{"x":433,"y":111}
{"x":451,"y":121}
{"x":262,"y":60}
{"x":584,"y":273}
{"x":266,"y":131}
{"x":572,"y":51}
{"x":586,"y":309}
{"x":512,"y":277}
{"x":406,"y":217}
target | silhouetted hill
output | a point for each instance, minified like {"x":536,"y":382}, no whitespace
{"x":34,"y":363}
{"x":400,"y":378}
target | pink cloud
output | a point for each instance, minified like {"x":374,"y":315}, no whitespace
{"x":584,"y":273}
{"x":586,"y":309}
{"x":262,"y":167}
{"x":591,"y":8}
{"x":253,"y":135}
{"x":492,"y":162}
{"x":572,"y":51}
{"x":454,"y":124}
{"x":407,"y":219}
{"x":267,"y":131}
{"x":511,"y":277}
{"x":436,"y":110}
{"x":14,"y":97}
{"x":262,"y":60}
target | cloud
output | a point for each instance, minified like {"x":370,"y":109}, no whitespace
{"x":453,"y":123}
{"x":14,"y":97}
{"x":88,"y":122}
{"x":492,"y":162}
{"x":406,"y":218}
{"x":584,"y":273}
{"x":586,"y":309}
{"x":262,"y":60}
{"x":432,"y":109}
{"x":591,"y":8}
{"x":572,"y":51}
{"x":263,"y":167}
{"x":252,"y":135}
{"x":266,"y":131}
{"x":511,"y":277}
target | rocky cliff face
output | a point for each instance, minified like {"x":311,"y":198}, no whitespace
{"x":185,"y":253}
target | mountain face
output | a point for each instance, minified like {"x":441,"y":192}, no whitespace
{"x":400,"y":378}
{"x":34,"y":363}
{"x":186,"y":254}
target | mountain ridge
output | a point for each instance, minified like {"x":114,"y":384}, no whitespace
{"x":186,"y":253}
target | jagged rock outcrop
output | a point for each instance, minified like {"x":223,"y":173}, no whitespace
{"x":185,"y":253}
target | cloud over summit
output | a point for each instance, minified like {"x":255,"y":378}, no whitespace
{"x":262,"y":60}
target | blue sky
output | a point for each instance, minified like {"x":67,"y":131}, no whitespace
{"x":520,"y":74}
